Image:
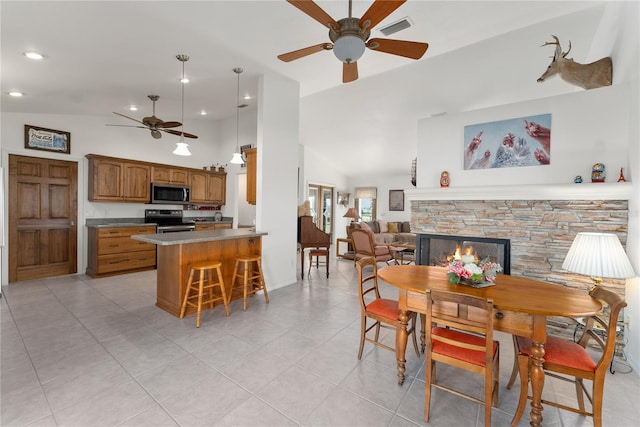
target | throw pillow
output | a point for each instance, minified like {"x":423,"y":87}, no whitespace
{"x":373,"y":225}
{"x":365,"y":226}
{"x":406,"y":227}
{"x":383,"y":226}
{"x":392,"y":227}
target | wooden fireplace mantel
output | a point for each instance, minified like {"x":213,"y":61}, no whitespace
{"x":584,"y":191}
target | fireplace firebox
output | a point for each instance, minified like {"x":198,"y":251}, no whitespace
{"x":439,"y":250}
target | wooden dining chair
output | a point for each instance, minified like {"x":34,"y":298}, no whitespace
{"x":364,"y":245}
{"x":570,"y":361}
{"x":382,"y":311}
{"x":461,"y":336}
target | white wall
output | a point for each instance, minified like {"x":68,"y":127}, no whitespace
{"x":587,"y":127}
{"x":277,"y":177}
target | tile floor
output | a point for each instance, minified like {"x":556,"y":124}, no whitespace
{"x":83,"y":352}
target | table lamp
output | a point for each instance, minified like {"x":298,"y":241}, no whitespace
{"x":598,"y":255}
{"x":351,"y":213}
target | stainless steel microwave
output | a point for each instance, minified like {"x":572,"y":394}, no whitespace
{"x":170,"y":194}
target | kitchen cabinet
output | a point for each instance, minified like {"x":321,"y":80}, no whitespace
{"x":111,"y":250}
{"x":252,"y":165}
{"x":169,"y":175}
{"x":208,"y":188}
{"x":212,"y":226}
{"x":118,"y":180}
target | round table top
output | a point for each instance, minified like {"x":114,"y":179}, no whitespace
{"x":513,"y":293}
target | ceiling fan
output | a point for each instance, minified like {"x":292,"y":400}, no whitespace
{"x":154,"y":124}
{"x":350,"y":36}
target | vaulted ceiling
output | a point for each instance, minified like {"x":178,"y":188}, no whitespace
{"x":103,"y":56}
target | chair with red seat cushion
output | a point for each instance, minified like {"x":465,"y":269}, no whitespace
{"x":384,"y":312}
{"x":461,"y":336}
{"x":570,"y":361}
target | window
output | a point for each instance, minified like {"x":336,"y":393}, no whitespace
{"x":365,"y":203}
{"x":321,"y":201}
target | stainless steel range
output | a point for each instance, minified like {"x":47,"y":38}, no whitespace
{"x":168,"y":220}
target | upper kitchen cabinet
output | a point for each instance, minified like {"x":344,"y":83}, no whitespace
{"x":251,"y":154}
{"x":121,"y":180}
{"x":169,"y":175}
{"x":208,"y":188}
{"x":118,"y":180}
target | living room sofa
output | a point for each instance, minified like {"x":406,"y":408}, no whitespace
{"x":389,"y":232}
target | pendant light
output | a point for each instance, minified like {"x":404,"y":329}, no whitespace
{"x":237,"y":157}
{"x":182,"y":148}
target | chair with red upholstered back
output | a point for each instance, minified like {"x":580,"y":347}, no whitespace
{"x":570,"y":361}
{"x":461,"y":335}
{"x":364,"y":245}
{"x":384,"y":312}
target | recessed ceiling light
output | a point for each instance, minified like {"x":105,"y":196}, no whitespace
{"x":133,"y":108}
{"x":247,"y":97}
{"x":203,"y":113}
{"x":184,"y":80}
{"x":34,"y":55}
{"x":16,"y":94}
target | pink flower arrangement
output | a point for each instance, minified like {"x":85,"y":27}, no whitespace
{"x":476,"y":272}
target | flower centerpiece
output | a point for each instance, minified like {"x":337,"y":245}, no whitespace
{"x":470,"y":271}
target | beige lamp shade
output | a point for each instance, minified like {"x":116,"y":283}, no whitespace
{"x":598,"y":255}
{"x":351,"y":213}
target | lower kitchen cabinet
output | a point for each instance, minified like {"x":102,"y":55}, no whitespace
{"x":211,"y":226}
{"x":111,"y":250}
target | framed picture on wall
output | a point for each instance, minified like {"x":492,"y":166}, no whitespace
{"x":396,"y":200}
{"x":523,"y":141}
{"x":244,"y":156}
{"x":37,"y":138}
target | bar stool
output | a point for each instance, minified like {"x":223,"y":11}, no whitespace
{"x":249,"y":269}
{"x":317,"y":253}
{"x":196,"y":288}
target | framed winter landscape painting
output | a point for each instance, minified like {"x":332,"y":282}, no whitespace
{"x":524,"y":141}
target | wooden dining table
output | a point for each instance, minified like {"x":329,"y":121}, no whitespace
{"x":521,"y":307}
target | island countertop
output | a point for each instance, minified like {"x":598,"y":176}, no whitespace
{"x":187,"y":237}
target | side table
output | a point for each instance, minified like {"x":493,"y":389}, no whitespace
{"x":348,"y":254}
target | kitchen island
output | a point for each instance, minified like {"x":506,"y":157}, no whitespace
{"x":176,"y":251}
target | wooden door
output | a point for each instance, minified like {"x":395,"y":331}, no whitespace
{"x":43,"y":211}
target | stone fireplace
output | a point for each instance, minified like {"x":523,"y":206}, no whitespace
{"x":540,"y":222}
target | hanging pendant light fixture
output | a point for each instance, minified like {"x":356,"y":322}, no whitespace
{"x":237,"y":157}
{"x":182,"y":148}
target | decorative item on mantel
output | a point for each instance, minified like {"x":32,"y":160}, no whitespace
{"x":444,"y":179}
{"x":468,"y":271}
{"x":577,"y":179}
{"x":597,"y":173}
{"x":621,"y":177}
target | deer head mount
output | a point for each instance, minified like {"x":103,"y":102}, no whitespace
{"x":586,"y":76}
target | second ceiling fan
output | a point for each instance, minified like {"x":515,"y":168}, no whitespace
{"x":156,"y":125}
{"x":350,"y":36}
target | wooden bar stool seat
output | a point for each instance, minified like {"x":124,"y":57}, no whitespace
{"x":317,"y":254}
{"x":249,"y":270}
{"x":195,"y":288}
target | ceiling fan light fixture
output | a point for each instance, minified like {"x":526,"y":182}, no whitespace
{"x":348,"y":48}
{"x":182,"y":149}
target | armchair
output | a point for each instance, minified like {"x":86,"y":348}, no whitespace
{"x":364,"y":245}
